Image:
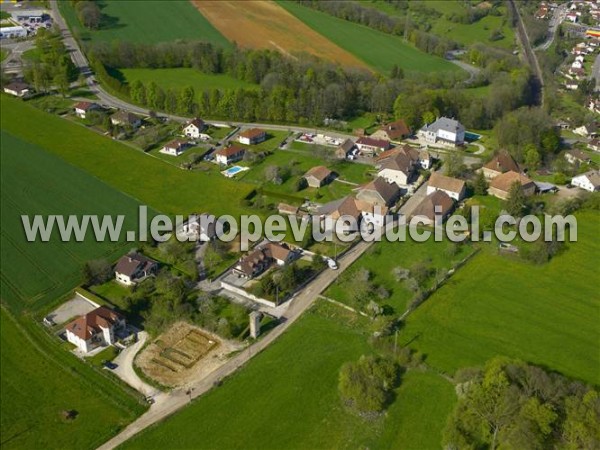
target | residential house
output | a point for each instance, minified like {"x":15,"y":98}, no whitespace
{"x":499,"y":164}
{"x":94,"y":329}
{"x":345,"y":149}
{"x":399,"y":167}
{"x":319,"y":176}
{"x":125,"y":119}
{"x":453,"y":187}
{"x":175,"y":148}
{"x":500,"y":185}
{"x":252,"y":136}
{"x":134,"y":268}
{"x":194,"y":128}
{"x":594,"y":145}
{"x":262,"y":257}
{"x":394,"y":131}
{"x":345,"y":207}
{"x":229,"y":155}
{"x":576,"y":156}
{"x":436,"y":204}
{"x":590,"y":181}
{"x":586,"y":130}
{"x":425,"y":159}
{"x":370,"y":146}
{"x":203,"y":227}
{"x":18,"y":89}
{"x":379,"y":192}
{"x":444,"y":131}
{"x":82,"y":108}
{"x":593,"y":104}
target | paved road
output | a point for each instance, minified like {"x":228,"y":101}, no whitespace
{"x":179,"y":398}
{"x":596,"y":71}
{"x":557,"y":18}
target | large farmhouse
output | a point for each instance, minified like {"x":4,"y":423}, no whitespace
{"x":453,"y":187}
{"x":94,"y":329}
{"x":444,"y":131}
{"x":500,"y":186}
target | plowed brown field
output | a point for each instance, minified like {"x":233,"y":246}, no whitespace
{"x":264,"y":24}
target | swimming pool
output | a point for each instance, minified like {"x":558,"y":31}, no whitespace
{"x":233,"y":170}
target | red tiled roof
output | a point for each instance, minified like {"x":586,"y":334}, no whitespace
{"x":230,"y":151}
{"x":86,"y":326}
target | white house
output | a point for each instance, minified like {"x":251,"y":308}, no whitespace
{"x":453,"y":187}
{"x":444,"y":131}
{"x":370,"y":146}
{"x":252,"y":136}
{"x":94,"y":329}
{"x":194,"y":128}
{"x":82,"y":108}
{"x":229,"y":154}
{"x":124,"y":118}
{"x":400,"y":164}
{"x":133,"y":268}
{"x":586,"y":130}
{"x":13,"y":32}
{"x":577,"y":64}
{"x":175,"y":147}
{"x":590,"y":181}
{"x":203,"y":227}
{"x":18,"y":89}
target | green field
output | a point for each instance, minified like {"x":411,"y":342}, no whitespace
{"x":381,"y":259}
{"x":380,"y":50}
{"x":299,"y":406}
{"x":41,"y":380}
{"x":497,"y":305}
{"x":178,"y":79}
{"x":146,"y":22}
{"x":36,"y":182}
{"x":156,"y":183}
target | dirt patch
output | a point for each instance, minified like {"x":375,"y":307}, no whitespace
{"x":265,"y":24}
{"x":182,"y":354}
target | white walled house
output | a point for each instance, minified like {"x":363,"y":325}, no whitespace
{"x":228,"y":155}
{"x":590,"y":181}
{"x":94,"y":329}
{"x":252,"y":136}
{"x":175,"y":148}
{"x":18,"y":89}
{"x":444,"y":131}
{"x":82,"y":108}
{"x":194,"y":129}
{"x":133,"y":268}
{"x":453,"y":187}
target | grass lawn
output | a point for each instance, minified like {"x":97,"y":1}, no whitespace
{"x":178,"y":79}
{"x":154,"y":182}
{"x":384,"y":256}
{"x":113,"y":292}
{"x":37,"y":182}
{"x":498,"y":305}
{"x":40,"y":380}
{"x":3,"y":54}
{"x":301,"y":404}
{"x":158,"y":21}
{"x":380,"y":50}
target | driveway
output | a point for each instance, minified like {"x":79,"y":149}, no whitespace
{"x":125,"y":372}
{"x":75,"y":307}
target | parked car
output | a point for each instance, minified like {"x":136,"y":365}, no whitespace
{"x":330,"y":263}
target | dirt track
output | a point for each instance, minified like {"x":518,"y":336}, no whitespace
{"x":264,"y":24}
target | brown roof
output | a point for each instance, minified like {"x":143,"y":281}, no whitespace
{"x":84,"y":106}
{"x":252,"y":133}
{"x":347,"y":145}
{"x":197,"y":122}
{"x":396,"y":129}
{"x":177,"y":144}
{"x":343,"y":207}
{"x":230,"y":151}
{"x":594,"y":177}
{"x":504,"y":181}
{"x":427,"y":206}
{"x":387,"y":191}
{"x":129,"y":264}
{"x":276,"y":250}
{"x":84,"y":327}
{"x":17,"y":86}
{"x":503,"y":162}
{"x":440,"y":181}
{"x":319,"y":172}
{"x":380,"y":143}
{"x":125,"y":116}
{"x":576,"y":153}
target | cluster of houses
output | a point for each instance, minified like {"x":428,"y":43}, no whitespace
{"x":545,"y":10}
{"x":579,"y":7}
{"x":23,"y":23}
{"x":576,"y":72}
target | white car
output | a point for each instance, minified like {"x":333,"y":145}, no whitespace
{"x":331,"y":263}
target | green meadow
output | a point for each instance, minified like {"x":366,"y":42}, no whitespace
{"x":35,"y":182}
{"x":177,"y":79}
{"x":380,"y":50}
{"x":145,"y":22}
{"x":40,"y":380}
{"x":151,"y":181}
{"x":498,"y":305}
{"x":299,"y":406}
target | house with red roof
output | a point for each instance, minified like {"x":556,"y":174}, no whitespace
{"x":95,"y":329}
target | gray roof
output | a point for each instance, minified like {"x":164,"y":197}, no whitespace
{"x":444,"y":123}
